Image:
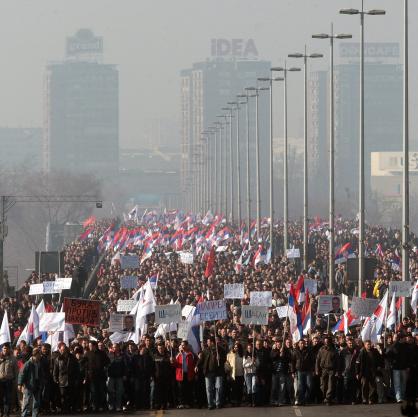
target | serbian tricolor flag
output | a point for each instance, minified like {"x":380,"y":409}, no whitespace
{"x":258,"y":256}
{"x":300,"y":289}
{"x":153,"y":280}
{"x":373,"y":325}
{"x":392,"y":313}
{"x":238,"y":264}
{"x":211,"y":262}
{"x":306,"y":315}
{"x":85,"y":234}
{"x":147,"y":253}
{"x":295,"y":316}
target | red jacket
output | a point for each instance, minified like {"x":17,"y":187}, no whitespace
{"x":179,"y":366}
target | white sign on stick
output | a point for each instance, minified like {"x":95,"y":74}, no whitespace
{"x":363,"y":307}
{"x":212,"y":310}
{"x":36,"y":289}
{"x":183,"y":330}
{"x":126,"y":305}
{"x":63,"y":283}
{"x":261,"y":298}
{"x":129,"y":261}
{"x":254,"y":315}
{"x":401,"y":288}
{"x":293,"y":253}
{"x":128,"y":282}
{"x":186,"y":258}
{"x":329,"y":304}
{"x":51,"y":287}
{"x":311,"y":285}
{"x":234,"y":291}
{"x":166,"y":314}
{"x":283,"y":311}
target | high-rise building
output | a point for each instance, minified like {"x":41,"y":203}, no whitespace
{"x":81,"y":131}
{"x":382,"y":110}
{"x":207,"y":86}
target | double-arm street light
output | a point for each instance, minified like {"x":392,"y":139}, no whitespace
{"x":230,"y":216}
{"x":361,"y":237}
{"x":305,"y":57}
{"x":221,"y":202}
{"x":271,"y":177}
{"x":285,"y":70}
{"x":331,"y":261}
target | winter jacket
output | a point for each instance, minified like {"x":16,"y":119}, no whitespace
{"x":347,"y":361}
{"x":162,"y":370}
{"x":262,"y":362}
{"x":249,"y":367}
{"x":234,"y":365}
{"x":178,"y":363}
{"x":117,"y":366}
{"x":303,"y":360}
{"x":280,"y":361}
{"x":368,"y":362}
{"x":30,"y":376}
{"x":327,"y":359}
{"x":209,"y":361}
{"x":65,"y":371}
{"x":97,"y":362}
{"x":398,"y":355}
{"x":8,"y":368}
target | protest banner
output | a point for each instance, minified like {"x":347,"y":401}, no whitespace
{"x":282,"y":311}
{"x":401,"y":288}
{"x":51,"y":322}
{"x":234,"y":291}
{"x":128,"y":282}
{"x":129,"y":261}
{"x":36,"y":289}
{"x":254,"y":315}
{"x":363,"y":307}
{"x":186,"y":258}
{"x":260,"y":298}
{"x":126,"y":305}
{"x":63,"y":283}
{"x":311,"y":285}
{"x":121,"y":323}
{"x":212,"y":310}
{"x":169,"y":313}
{"x":79,"y":311}
{"x":183,"y":330}
{"x":328,"y":304}
{"x":292,"y":253}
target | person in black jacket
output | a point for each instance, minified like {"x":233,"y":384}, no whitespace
{"x":116,"y":373}
{"x":368,"y":364}
{"x":347,"y":368}
{"x":97,"y":361}
{"x":144,"y":371}
{"x":81,"y":393}
{"x":262,"y":370}
{"x":162,"y":375}
{"x":303,"y":365}
{"x":65,"y":374}
{"x":281,"y":384}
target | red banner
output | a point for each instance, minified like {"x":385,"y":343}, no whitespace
{"x":84,"y":312}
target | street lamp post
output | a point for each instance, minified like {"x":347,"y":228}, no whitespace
{"x":231,"y":162}
{"x":361,"y":237}
{"x":305,"y":57}
{"x":220,"y":163}
{"x":331,"y":261}
{"x":285,"y":70}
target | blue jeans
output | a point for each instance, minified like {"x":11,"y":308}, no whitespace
{"x":250,"y":383}
{"x":214,"y":390}
{"x":115,"y":393}
{"x":399,"y":383}
{"x":304,"y":386}
{"x":29,"y":395}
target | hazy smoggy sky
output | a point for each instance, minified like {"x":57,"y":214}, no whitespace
{"x":151,"y":41}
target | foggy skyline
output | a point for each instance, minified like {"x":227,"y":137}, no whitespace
{"x":151,"y":42}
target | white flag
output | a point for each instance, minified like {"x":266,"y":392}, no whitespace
{"x":414,"y":299}
{"x":391,"y":320}
{"x":4,"y":330}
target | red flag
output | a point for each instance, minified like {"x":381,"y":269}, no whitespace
{"x":211,"y":263}
{"x":88,"y":222}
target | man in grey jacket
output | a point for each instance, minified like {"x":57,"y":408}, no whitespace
{"x":8,"y":375}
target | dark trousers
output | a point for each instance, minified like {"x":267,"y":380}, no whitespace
{"x":237,"y":389}
{"x":98,"y":392}
{"x":66,"y":398}
{"x":184,"y":389}
{"x":368,"y":388}
{"x":144,"y":390}
{"x":162,"y":387}
{"x":328,"y":384}
{"x":5,"y":396}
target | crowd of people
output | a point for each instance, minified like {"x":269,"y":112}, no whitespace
{"x":234,"y":364}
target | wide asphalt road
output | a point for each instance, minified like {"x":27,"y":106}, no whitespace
{"x":384,"y":410}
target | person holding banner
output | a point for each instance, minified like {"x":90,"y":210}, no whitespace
{"x":213,"y":365}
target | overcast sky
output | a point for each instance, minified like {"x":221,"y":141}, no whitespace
{"x":151,"y":41}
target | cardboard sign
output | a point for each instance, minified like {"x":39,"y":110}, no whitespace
{"x":293,"y":253}
{"x":254,"y":315}
{"x":328,"y":304}
{"x":183,"y":330}
{"x":121,"y":323}
{"x":363,"y":307}
{"x":128,"y":282}
{"x":63,"y":283}
{"x":212,"y":310}
{"x":260,"y":298}
{"x":186,"y":258}
{"x":234,"y":291}
{"x":36,"y":289}
{"x":51,"y":322}
{"x":401,"y":288}
{"x":126,"y":305}
{"x":78,"y":311}
{"x":311,"y":285}
{"x":50,"y":287}
{"x":129,"y":261}
{"x":166,"y":314}
{"x":283,"y":311}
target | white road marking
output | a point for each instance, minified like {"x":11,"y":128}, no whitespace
{"x":298,"y":412}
